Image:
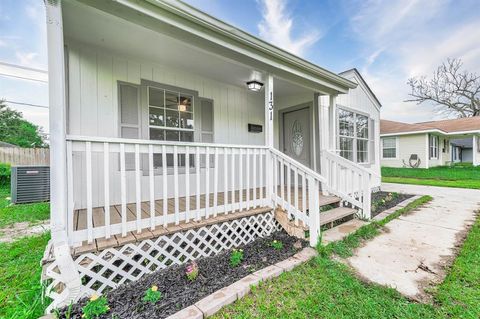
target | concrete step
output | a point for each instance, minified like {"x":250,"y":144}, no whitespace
{"x":341,"y":231}
{"x":328,"y":200}
{"x":335,"y":214}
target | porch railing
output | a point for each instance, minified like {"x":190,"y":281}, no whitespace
{"x":349,"y":181}
{"x":173,"y":183}
{"x":117,"y":186}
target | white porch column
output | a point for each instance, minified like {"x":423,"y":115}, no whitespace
{"x":58,"y":168}
{"x":324,"y":129}
{"x":56,"y":90}
{"x":332,"y":116}
{"x":475,"y":150}
{"x":269,"y":136}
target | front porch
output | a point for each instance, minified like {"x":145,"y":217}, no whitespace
{"x":154,"y":154}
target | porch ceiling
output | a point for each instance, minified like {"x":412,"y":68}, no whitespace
{"x":88,"y":25}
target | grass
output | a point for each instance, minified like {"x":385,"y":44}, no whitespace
{"x":10,"y":214}
{"x":463,"y":176}
{"x":325,"y":288}
{"x":20,"y":288}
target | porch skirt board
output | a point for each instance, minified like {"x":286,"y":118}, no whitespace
{"x":106,"y":270}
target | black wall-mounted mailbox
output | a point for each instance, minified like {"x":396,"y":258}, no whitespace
{"x":254,"y":128}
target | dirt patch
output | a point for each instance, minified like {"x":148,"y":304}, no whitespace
{"x":178,"y":293}
{"x":17,"y":230}
{"x":382,"y":201}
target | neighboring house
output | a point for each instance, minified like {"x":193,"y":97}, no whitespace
{"x":430,"y":144}
{"x":165,"y":122}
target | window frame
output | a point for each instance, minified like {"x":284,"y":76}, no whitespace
{"x":354,"y":136}
{"x":396,"y":147}
{"x":433,"y":145}
{"x":165,"y":127}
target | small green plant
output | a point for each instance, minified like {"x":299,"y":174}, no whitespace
{"x":191,"y":271}
{"x":236,"y":257}
{"x":276,"y":244}
{"x":5,"y":174}
{"x":152,"y":295}
{"x":95,"y":307}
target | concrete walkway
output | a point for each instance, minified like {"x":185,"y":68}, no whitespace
{"x":413,"y":250}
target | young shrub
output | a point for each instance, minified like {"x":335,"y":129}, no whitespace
{"x":5,"y":172}
{"x":277,"y":245}
{"x":152,"y":295}
{"x":95,"y":307}
{"x":191,"y":271}
{"x":236,"y":257}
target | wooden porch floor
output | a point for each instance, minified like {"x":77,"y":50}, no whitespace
{"x":98,"y":214}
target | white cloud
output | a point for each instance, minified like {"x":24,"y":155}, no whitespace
{"x":402,"y":39}
{"x":276,"y":27}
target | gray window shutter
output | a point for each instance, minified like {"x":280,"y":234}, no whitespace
{"x":371,"y":137}
{"x":129,"y":118}
{"x":207,"y":118}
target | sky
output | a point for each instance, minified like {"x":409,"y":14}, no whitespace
{"x":387,"y":41}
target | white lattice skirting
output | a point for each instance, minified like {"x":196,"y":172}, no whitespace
{"x":102,"y":271}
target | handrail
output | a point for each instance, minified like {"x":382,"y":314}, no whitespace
{"x":117,"y":140}
{"x":350,"y":163}
{"x":346,"y":162}
{"x":299,"y":165}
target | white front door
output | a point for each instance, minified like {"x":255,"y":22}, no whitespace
{"x":296,"y":135}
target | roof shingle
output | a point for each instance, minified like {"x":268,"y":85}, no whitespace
{"x":447,"y":126}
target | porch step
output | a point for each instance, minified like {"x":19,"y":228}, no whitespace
{"x":335,"y":214}
{"x":328,"y":200}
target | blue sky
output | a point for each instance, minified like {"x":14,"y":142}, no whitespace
{"x":387,"y":41}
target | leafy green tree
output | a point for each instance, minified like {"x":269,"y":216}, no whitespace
{"x":14,"y":129}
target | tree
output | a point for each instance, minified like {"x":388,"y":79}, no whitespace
{"x":14,"y":129}
{"x":453,"y":91}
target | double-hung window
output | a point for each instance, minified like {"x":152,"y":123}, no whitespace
{"x":389,"y":147}
{"x":170,"y":115}
{"x":353,"y":136}
{"x":433,"y":142}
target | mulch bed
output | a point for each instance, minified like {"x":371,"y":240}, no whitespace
{"x":391,"y":200}
{"x":177,"y":292}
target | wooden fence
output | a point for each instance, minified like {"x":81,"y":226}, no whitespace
{"x":25,"y":156}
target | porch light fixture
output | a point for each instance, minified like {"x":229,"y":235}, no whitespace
{"x":254,"y":85}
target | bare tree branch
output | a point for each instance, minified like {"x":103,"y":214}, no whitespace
{"x":451,"y":90}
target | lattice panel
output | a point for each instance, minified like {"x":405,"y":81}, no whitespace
{"x":106,"y":270}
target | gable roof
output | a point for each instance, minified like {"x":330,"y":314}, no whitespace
{"x":462,"y":125}
{"x":363,"y":82}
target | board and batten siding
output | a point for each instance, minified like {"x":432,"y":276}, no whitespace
{"x":93,"y":76}
{"x":407,"y":145}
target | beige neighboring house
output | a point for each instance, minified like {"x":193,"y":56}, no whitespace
{"x":429,"y":144}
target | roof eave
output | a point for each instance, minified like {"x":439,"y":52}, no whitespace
{"x":219,"y":27}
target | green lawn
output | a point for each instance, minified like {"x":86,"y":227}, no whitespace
{"x":10,"y":214}
{"x":20,"y":289}
{"x":325,"y":288}
{"x":463,"y":176}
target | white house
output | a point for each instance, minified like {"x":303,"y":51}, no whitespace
{"x":175,"y":135}
{"x":430,"y":144}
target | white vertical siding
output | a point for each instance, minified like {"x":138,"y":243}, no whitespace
{"x":93,"y":75}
